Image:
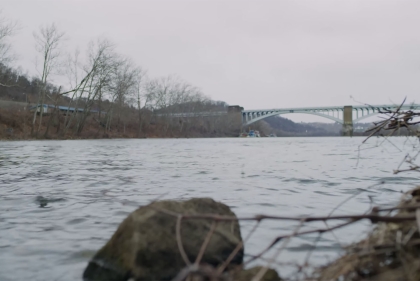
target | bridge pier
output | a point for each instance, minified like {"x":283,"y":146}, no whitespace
{"x":347,"y":121}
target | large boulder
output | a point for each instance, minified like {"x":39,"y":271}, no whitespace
{"x":144,"y":247}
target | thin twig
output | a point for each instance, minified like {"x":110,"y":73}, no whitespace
{"x":373,"y":217}
{"x":279,"y":238}
{"x":237,"y":249}
{"x":206,"y":242}
{"x":311,"y":250}
{"x":179,"y":241}
{"x":265,"y":268}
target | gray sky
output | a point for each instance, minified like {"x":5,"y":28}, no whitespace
{"x":258,"y":54}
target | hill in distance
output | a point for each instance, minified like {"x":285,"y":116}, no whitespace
{"x":285,"y":127}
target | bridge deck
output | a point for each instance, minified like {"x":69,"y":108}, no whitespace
{"x":334,"y":113}
{"x":355,"y":107}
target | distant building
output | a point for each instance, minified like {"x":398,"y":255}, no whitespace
{"x":234,"y":108}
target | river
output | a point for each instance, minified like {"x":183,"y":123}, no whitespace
{"x":95,"y":184}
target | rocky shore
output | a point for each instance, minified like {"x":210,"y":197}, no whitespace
{"x":154,"y":243}
{"x":200,"y":239}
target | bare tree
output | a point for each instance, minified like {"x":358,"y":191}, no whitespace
{"x":172,"y":95}
{"x":47,"y":44}
{"x":123,"y":86}
{"x":143,"y":98}
{"x":7,"y":29}
{"x":101,"y":64}
{"x":160,"y":90}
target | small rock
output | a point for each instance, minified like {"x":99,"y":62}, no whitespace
{"x":43,"y":202}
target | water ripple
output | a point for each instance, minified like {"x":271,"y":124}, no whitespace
{"x":60,"y":201}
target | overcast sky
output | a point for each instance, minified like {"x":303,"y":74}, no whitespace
{"x":258,"y":54}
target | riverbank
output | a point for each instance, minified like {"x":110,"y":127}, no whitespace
{"x":17,"y":124}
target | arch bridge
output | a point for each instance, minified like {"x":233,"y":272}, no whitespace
{"x":346,"y":115}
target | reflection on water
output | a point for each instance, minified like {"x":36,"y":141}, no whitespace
{"x":60,"y":201}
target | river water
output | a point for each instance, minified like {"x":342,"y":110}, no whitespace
{"x":94,"y":184}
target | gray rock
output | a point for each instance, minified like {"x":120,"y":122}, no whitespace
{"x":144,"y":247}
{"x":43,"y":201}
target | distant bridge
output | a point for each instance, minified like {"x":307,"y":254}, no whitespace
{"x":345,"y":115}
{"x":339,"y":114}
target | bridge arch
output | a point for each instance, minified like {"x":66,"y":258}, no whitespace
{"x":275,"y":113}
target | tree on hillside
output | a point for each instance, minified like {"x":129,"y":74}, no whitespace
{"x":48,"y":41}
{"x":123,"y":88}
{"x":106,"y":76}
{"x":7,"y":29}
{"x":106,"y":89}
{"x":97,"y":73}
{"x":169,"y":95}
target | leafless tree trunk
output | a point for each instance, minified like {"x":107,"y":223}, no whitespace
{"x":53,"y":113}
{"x":142,"y":97}
{"x":123,"y":87}
{"x":98,"y":69}
{"x":47,"y":44}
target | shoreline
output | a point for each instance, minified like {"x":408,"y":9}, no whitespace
{"x":164,"y":138}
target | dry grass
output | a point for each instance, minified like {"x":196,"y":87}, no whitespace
{"x":16,"y":124}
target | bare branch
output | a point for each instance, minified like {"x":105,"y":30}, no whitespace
{"x":206,"y":242}
{"x":237,"y":249}
{"x":179,"y":241}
